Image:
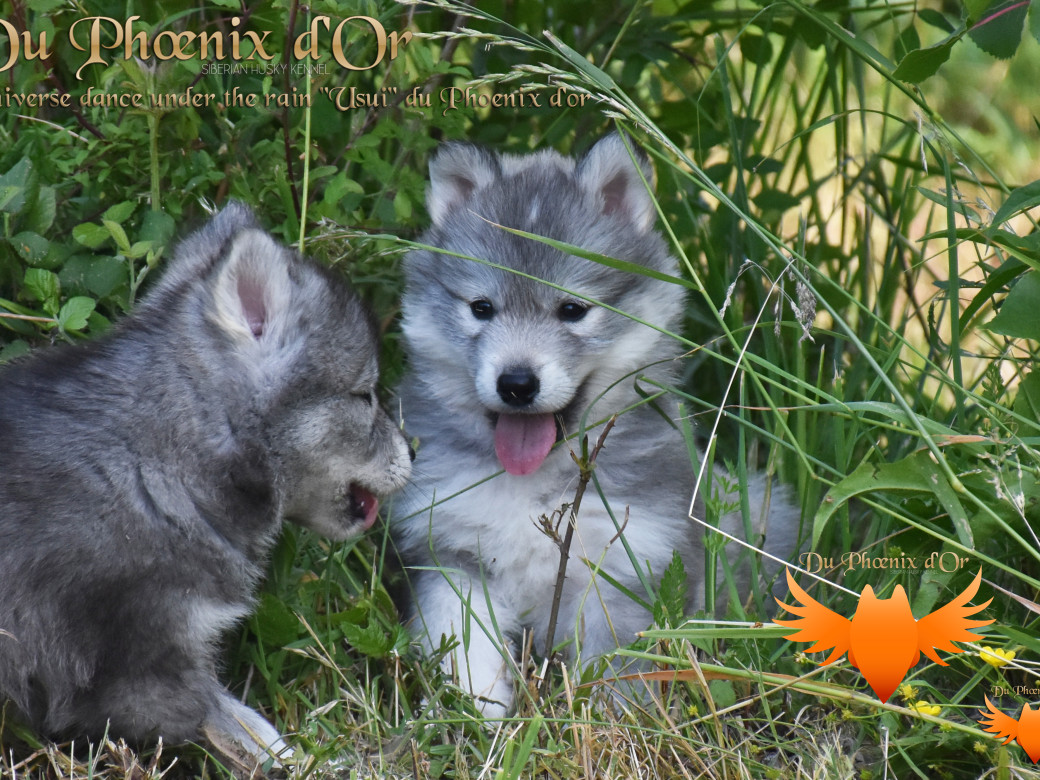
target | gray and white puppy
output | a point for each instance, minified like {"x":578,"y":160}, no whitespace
{"x":501,"y":367}
{"x":146,"y":474}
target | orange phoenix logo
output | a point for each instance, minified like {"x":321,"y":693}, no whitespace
{"x":883,"y":639}
{"x":1026,"y":729}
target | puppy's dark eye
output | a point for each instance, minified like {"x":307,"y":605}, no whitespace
{"x":572,"y":311}
{"x":369,"y":397}
{"x":482,"y":309}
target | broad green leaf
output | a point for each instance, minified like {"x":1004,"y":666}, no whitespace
{"x":756,"y":48}
{"x":907,"y":41}
{"x":670,"y":609}
{"x":948,"y":202}
{"x":775,"y":200}
{"x":1025,"y":249}
{"x":120,"y":212}
{"x":932,"y":17}
{"x":274,"y":622}
{"x":921,"y":64}
{"x":371,"y":639}
{"x":43,"y":286}
{"x":999,"y":30}
{"x":99,"y":276}
{"x":74,"y":314}
{"x":139,"y":249}
{"x":995,"y":282}
{"x":1027,"y":402}
{"x":8,"y":195}
{"x":30,"y":247}
{"x":402,"y":205}
{"x":916,"y":473}
{"x":15,"y":349}
{"x":14,"y":185}
{"x":1018,"y":318}
{"x":1021,"y":199}
{"x":90,"y":235}
{"x":157,"y":227}
{"x":976,"y":8}
{"x":118,"y":234}
{"x":39,"y":215}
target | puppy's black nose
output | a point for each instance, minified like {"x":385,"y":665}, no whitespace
{"x":518,"y":387}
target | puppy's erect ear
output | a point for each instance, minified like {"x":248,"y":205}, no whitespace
{"x":457,"y":172}
{"x":253,"y":290}
{"x":608,"y":175}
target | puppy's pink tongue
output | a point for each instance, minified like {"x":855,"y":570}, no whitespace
{"x":522,"y":441}
{"x":367,"y":504}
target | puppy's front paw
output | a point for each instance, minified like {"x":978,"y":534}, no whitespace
{"x":246,"y":740}
{"x":489,"y":681}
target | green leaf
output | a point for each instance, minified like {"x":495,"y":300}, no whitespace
{"x":976,"y":8}
{"x":14,"y":185}
{"x":43,"y":285}
{"x":99,"y":276}
{"x":8,"y":193}
{"x":117,"y":233}
{"x":30,"y":247}
{"x":120,"y":212}
{"x":274,"y":622}
{"x":157,"y":227}
{"x":756,"y":48}
{"x":921,"y":64}
{"x":999,"y":31}
{"x":90,"y":235}
{"x":775,"y":200}
{"x":907,"y":41}
{"x":935,"y":19}
{"x":402,"y":205}
{"x":1025,"y":249}
{"x":1027,"y":402}
{"x":39,"y":216}
{"x":670,"y":608}
{"x":948,"y":202}
{"x":1018,"y":318}
{"x":139,"y":249}
{"x":917,"y":473}
{"x":74,"y":314}
{"x":997,"y":280}
{"x":15,"y":349}
{"x":369,"y":639}
{"x":1025,"y":197}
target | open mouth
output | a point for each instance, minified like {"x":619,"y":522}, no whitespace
{"x":523,"y":441}
{"x":363,"y":505}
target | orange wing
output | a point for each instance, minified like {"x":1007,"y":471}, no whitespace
{"x":940,"y":629}
{"x":817,"y":624}
{"x":996,"y":722}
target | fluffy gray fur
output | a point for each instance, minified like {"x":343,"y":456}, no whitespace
{"x":484,"y":536}
{"x":146,"y":475}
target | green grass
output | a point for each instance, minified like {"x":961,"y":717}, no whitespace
{"x":804,"y":188}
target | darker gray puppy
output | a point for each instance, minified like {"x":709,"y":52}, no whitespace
{"x":146,"y":475}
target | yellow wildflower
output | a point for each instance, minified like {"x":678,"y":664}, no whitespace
{"x":907,"y":692}
{"x":996,"y":656}
{"x":926,"y":708}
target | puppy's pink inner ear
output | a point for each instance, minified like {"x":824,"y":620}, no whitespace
{"x":615,"y":200}
{"x":251,"y":296}
{"x":463,"y":188}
